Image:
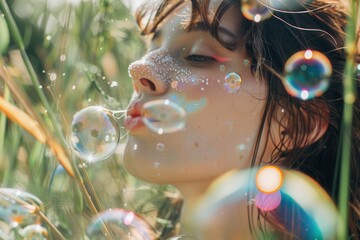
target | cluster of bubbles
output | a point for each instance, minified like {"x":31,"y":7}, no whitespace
{"x":307,"y":72}
{"x":270,"y":189}
{"x":120,"y":223}
{"x":18,"y":210}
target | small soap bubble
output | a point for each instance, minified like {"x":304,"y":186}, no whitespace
{"x":62,"y":57}
{"x":222,"y":68}
{"x":163,"y":116}
{"x":120,"y":224}
{"x":233,"y":82}
{"x":34,"y":232}
{"x":94,"y":134}
{"x":18,"y":207}
{"x":254,"y":11}
{"x":156,"y":164}
{"x":160,"y":147}
{"x":307,"y":74}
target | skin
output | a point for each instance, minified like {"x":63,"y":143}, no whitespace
{"x":221,"y":134}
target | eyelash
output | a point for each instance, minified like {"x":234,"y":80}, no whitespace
{"x":200,"y":59}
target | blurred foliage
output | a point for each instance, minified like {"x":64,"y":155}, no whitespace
{"x":80,"y":51}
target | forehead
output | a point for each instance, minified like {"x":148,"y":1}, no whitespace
{"x":230,"y":17}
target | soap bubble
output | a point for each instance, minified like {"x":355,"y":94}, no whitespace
{"x":307,"y":74}
{"x":59,"y":180}
{"x":18,"y":207}
{"x":232,"y":82}
{"x":163,"y":116}
{"x":94,"y":134}
{"x":34,"y":232}
{"x":120,"y":223}
{"x":230,"y":194}
{"x":254,"y":11}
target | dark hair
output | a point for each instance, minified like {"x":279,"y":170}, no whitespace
{"x":318,"y":26}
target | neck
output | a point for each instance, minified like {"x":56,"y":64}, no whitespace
{"x":191,"y":193}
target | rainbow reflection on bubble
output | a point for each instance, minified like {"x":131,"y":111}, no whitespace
{"x":233,"y":82}
{"x":316,"y":213}
{"x":94,"y":134}
{"x":307,"y":74}
{"x":34,"y":232}
{"x":254,"y":11}
{"x":163,"y":116}
{"x":119,"y":223}
{"x":18,"y":207}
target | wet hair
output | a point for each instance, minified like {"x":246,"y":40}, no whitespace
{"x":319,"y":26}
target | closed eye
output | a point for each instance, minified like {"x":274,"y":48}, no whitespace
{"x":198,"y":59}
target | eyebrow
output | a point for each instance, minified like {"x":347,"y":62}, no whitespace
{"x":203,"y":26}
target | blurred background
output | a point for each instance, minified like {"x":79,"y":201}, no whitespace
{"x":68,"y":55}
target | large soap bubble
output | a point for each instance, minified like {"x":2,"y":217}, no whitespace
{"x":18,"y":207}
{"x":94,"y":134}
{"x":34,"y":232}
{"x":317,"y":214}
{"x":120,"y":223}
{"x":163,"y":116}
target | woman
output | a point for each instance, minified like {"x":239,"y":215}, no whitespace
{"x":223,"y":74}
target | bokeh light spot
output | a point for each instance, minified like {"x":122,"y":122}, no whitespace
{"x":269,"y":179}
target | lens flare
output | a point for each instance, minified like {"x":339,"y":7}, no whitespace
{"x":307,"y":74}
{"x":94,"y":134}
{"x":269,"y":179}
{"x":163,"y":116}
{"x":119,"y":223}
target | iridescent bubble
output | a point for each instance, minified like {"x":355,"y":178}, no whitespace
{"x":233,"y":82}
{"x":18,"y":207}
{"x":255,"y":11}
{"x":315,"y":211}
{"x":307,"y":74}
{"x":119,"y":223}
{"x":163,"y":116}
{"x":59,"y":180}
{"x":94,"y":134}
{"x":34,"y":232}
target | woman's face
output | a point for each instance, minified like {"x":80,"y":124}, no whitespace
{"x":189,"y":68}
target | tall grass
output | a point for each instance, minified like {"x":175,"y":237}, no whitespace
{"x":62,"y":57}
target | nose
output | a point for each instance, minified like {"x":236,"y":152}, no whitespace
{"x":147,"y":77}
